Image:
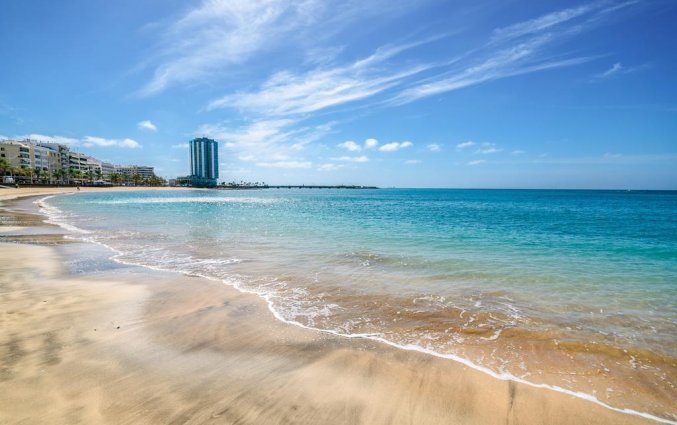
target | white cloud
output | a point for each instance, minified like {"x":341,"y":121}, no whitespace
{"x":542,"y":23}
{"x":509,"y":62}
{"x":68,"y":141}
{"x":286,"y":93}
{"x":90,"y":141}
{"x":487,"y":148}
{"x":370,"y":143}
{"x":351,"y":159}
{"x":223,"y":34}
{"x":395,"y":146}
{"x":146,"y":125}
{"x":266,"y":139}
{"x":615,"y":68}
{"x":412,"y":161}
{"x":518,"y":152}
{"x":217,"y":34}
{"x":274,"y":108}
{"x":286,"y":164}
{"x":181,"y":146}
{"x":517,"y":49}
{"x":329,"y":167}
{"x":351,"y":146}
{"x":354,"y":147}
{"x":477,"y":162}
{"x":434,"y":147}
{"x":464,"y":145}
{"x":3,"y":137}
{"x":619,"y":69}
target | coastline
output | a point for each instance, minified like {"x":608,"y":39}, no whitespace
{"x":217,"y":354}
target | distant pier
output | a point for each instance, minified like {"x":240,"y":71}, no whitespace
{"x":342,"y":186}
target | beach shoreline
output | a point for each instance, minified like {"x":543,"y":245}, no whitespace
{"x":218,"y":355}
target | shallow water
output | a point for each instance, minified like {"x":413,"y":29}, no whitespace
{"x":575,"y":289}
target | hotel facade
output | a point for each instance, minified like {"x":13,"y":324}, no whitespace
{"x":54,"y":157}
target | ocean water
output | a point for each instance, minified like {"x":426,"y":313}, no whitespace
{"x":571,"y":290}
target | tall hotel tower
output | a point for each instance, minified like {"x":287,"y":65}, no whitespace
{"x":204,"y":162}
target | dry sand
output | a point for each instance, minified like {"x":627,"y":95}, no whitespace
{"x":129,"y":345}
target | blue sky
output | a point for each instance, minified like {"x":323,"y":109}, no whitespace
{"x":418,"y":93}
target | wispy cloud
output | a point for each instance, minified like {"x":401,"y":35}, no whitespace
{"x":434,"y":147}
{"x":90,"y":141}
{"x":273,"y":112}
{"x":350,"y":146}
{"x":68,"y":141}
{"x":518,"y":152}
{"x":477,"y":162}
{"x":518,"y":49}
{"x":362,"y":158}
{"x":487,"y":148}
{"x":181,"y":146}
{"x":146,"y":125}
{"x":221,"y":34}
{"x":395,"y":146}
{"x":464,"y":145}
{"x":542,"y":23}
{"x":329,"y":167}
{"x":412,"y":161}
{"x":286,"y":164}
{"x":520,"y":59}
{"x":619,"y":69}
{"x":287,"y":93}
{"x":265,"y":139}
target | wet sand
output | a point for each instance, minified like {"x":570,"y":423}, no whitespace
{"x":127,"y":345}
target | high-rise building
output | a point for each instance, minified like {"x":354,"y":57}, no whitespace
{"x":204,"y":162}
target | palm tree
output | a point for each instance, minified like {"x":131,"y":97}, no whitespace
{"x":99,"y":173}
{"x":5,"y":166}
{"x":75,"y":174}
{"x":68,"y":173}
{"x":38,"y":173}
{"x":136,"y":178}
{"x":29,"y":172}
{"x":90,"y":175}
{"x":116,"y":178}
{"x":59,"y":175}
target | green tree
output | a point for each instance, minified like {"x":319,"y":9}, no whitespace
{"x":59,"y":175}
{"x":5,"y":166}
{"x":38,"y":174}
{"x":116,"y":178}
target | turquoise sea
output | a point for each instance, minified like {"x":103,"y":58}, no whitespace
{"x":574,"y":290}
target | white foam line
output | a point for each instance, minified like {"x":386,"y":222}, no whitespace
{"x":377,"y":337}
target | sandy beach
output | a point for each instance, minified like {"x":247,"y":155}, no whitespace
{"x":127,"y":345}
